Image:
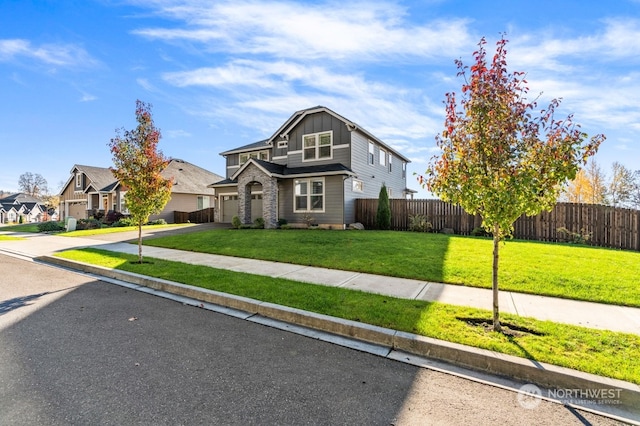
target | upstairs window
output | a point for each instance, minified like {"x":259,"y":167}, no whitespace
{"x":383,"y":158}
{"x":260,"y":155}
{"x":317,"y":146}
{"x":371,"y":153}
{"x":78,"y":180}
{"x":390,"y":158}
{"x":404,"y":169}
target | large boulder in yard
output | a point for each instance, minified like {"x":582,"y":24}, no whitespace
{"x":357,"y":226}
{"x":447,"y":231}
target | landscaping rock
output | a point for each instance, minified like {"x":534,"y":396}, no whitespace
{"x":357,"y":226}
{"x":447,"y":231}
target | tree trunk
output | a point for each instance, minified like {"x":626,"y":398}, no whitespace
{"x":496,"y":248}
{"x":140,"y":242}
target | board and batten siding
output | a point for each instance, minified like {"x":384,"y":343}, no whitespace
{"x":316,"y":123}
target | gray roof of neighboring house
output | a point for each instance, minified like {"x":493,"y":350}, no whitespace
{"x":20,"y":201}
{"x":189,"y":178}
{"x":101,"y":177}
{"x":19,"y":198}
{"x":8,"y":206}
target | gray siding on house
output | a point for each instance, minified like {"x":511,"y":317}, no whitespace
{"x":233,"y":164}
{"x":374,"y":175}
{"x":371,"y":175}
{"x":333,"y":198}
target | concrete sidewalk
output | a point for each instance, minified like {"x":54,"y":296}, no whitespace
{"x":586,"y":314}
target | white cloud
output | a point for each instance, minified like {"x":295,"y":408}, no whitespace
{"x":87,"y":97}
{"x":277,"y":57}
{"x":65,"y":55}
{"x":618,"y":39}
{"x":146,"y":85}
{"x":176,"y":134}
{"x":372,"y":31}
{"x":282,"y":87}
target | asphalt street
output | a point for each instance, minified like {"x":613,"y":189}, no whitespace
{"x":75,"y":350}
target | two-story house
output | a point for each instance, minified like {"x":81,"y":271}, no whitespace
{"x":312,"y":169}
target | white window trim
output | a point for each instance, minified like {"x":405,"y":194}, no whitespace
{"x":382,"y":158}
{"x":389,"y":168}
{"x":253,"y":154}
{"x":203,"y":197}
{"x":309,"y":181}
{"x":317,"y":146}
{"x":371,"y":156}
{"x":123,"y":203}
{"x":78,"y":180}
{"x":283,"y":144}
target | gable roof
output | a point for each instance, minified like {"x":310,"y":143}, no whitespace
{"x":284,"y":130}
{"x":102,"y":179}
{"x":298,"y":116}
{"x":8,"y":206}
{"x":189,"y":178}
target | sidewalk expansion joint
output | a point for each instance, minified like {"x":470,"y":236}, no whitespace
{"x":348,"y":280}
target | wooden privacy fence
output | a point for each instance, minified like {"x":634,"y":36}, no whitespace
{"x":199,"y":216}
{"x":604,"y":226}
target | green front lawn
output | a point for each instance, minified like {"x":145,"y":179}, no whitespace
{"x":598,"y":352}
{"x":115,"y":230}
{"x":24,"y":227}
{"x":550,"y":269}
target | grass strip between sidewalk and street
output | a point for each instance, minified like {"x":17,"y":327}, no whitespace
{"x":10,"y":238}
{"x":549,"y":269}
{"x":599,"y":352}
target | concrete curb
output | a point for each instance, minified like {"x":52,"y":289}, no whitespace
{"x":529,"y":371}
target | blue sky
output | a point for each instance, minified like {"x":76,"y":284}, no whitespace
{"x":221,"y":74}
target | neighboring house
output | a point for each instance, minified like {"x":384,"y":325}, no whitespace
{"x":312,"y":169}
{"x":91,"y":190}
{"x":22,"y":205}
{"x":189,"y":191}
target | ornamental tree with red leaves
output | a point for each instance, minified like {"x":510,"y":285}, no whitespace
{"x":500,"y":157}
{"x":138,"y":165}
